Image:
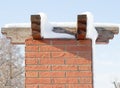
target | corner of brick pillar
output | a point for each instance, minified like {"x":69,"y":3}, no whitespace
{"x":63,"y":63}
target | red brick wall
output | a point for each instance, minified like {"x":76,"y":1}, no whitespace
{"x":58,"y":64}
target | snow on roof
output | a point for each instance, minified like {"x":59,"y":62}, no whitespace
{"x":13,"y":25}
{"x":106,"y":25}
{"x":64,"y":24}
{"x":54,"y":24}
{"x":61,"y":24}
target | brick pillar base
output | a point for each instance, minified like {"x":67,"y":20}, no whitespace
{"x":56,"y":63}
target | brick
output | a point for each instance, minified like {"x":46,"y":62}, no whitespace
{"x":78,"y":74}
{"x":37,"y":67}
{"x":51,"y":61}
{"x":64,"y":54}
{"x":77,"y":61}
{"x":52,"y":74}
{"x":85,"y":42}
{"x":37,"y":80}
{"x":64,"y":42}
{"x":64,"y":80}
{"x":31,"y":74}
{"x":85,"y":80}
{"x":48,"y":48}
{"x":37,"y":54}
{"x":37,"y":42}
{"x":64,"y":68}
{"x":31,"y":61}
{"x":85,"y":68}
{"x":78,"y":48}
{"x":52,"y":86}
{"x":34,"y":48}
{"x":86,"y":54}
{"x":79,"y":86}
{"x":32,"y":86}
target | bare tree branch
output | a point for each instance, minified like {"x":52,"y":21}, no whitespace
{"x":11,"y":69}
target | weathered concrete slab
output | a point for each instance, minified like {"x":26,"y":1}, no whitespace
{"x":106,"y":33}
{"x":17,"y":35}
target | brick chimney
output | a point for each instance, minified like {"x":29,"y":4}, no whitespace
{"x":59,"y":62}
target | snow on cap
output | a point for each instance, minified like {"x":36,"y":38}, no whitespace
{"x":44,"y":23}
{"x":17,"y":25}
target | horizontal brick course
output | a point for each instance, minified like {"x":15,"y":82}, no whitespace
{"x":52,"y":86}
{"x":85,"y":42}
{"x":79,"y":86}
{"x":78,"y":48}
{"x":51,"y":61}
{"x":55,"y":48}
{"x":64,"y":42}
{"x":85,"y":80}
{"x":78,"y":61}
{"x":32,"y":86}
{"x":37,"y":42}
{"x":64,"y":68}
{"x":64,"y":80}
{"x":37,"y":54}
{"x":31,"y":74}
{"x":86,"y":54}
{"x":32,"y":48}
{"x":64,"y":54}
{"x":85,"y":68}
{"x":79,"y":74}
{"x":38,"y":67}
{"x":52,"y":74}
{"x":33,"y":61}
{"x":37,"y":81}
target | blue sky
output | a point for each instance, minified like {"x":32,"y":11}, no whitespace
{"x":107,"y":57}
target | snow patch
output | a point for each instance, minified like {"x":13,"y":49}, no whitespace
{"x":18,"y":25}
{"x":46,"y":28}
{"x":106,"y":25}
{"x":44,"y":24}
{"x":64,"y":24}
